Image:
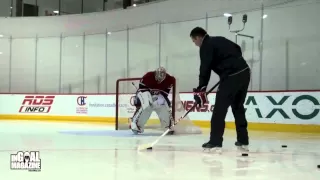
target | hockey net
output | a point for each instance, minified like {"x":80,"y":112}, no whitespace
{"x":125,"y":92}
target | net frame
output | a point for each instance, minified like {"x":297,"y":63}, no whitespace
{"x":138,"y":79}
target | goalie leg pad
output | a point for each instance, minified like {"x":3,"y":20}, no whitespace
{"x":139,"y":120}
{"x":165,"y":116}
{"x":145,"y":99}
{"x":163,"y":111}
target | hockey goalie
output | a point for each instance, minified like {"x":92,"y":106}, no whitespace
{"x":152,"y":95}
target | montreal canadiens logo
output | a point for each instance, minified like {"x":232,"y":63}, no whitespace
{"x":81,"y":100}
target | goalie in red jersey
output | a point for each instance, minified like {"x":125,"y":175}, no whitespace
{"x":152,"y":95}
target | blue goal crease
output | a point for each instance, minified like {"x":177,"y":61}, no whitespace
{"x":111,"y":133}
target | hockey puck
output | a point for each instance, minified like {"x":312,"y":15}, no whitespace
{"x":284,"y":146}
{"x":244,"y":154}
{"x":149,"y":148}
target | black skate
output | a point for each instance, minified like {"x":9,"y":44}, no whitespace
{"x":241,"y":147}
{"x":208,"y":147}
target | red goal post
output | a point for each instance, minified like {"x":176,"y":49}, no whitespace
{"x":125,"y":90}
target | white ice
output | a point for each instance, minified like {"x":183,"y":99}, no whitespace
{"x":103,"y":157}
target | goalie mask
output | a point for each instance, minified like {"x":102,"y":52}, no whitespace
{"x":160,"y":74}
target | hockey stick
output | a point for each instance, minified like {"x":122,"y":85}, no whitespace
{"x":134,"y":85}
{"x":150,"y":145}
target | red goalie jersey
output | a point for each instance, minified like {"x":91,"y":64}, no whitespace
{"x":150,"y":83}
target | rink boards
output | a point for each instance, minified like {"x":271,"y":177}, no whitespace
{"x":272,"y":111}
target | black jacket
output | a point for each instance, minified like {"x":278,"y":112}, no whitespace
{"x":222,"y":56}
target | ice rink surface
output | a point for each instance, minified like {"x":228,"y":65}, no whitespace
{"x":96,"y":152}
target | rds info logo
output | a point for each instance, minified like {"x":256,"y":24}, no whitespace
{"x":36,"y":104}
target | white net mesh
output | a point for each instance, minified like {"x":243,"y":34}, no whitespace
{"x":126,"y":92}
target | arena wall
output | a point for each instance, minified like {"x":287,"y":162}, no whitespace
{"x":268,"y":111}
{"x":75,"y":54}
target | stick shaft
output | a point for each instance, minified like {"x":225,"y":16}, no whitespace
{"x":134,"y":86}
{"x":194,"y":105}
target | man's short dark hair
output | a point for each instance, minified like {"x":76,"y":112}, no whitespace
{"x":198,"y":31}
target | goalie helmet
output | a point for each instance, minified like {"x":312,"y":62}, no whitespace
{"x":160,"y":74}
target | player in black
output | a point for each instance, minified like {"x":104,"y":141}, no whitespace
{"x":224,"y":57}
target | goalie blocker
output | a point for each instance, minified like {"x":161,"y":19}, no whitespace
{"x":152,"y":95}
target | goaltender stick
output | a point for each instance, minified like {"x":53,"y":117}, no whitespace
{"x":152,"y":95}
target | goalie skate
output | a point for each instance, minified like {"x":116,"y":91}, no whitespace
{"x":210,"y":148}
{"x":134,"y":128}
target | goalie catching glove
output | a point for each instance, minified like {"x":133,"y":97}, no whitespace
{"x":200,"y":96}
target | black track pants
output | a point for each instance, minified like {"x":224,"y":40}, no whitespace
{"x":231,"y":92}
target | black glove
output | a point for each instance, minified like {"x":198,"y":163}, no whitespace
{"x":200,"y":96}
